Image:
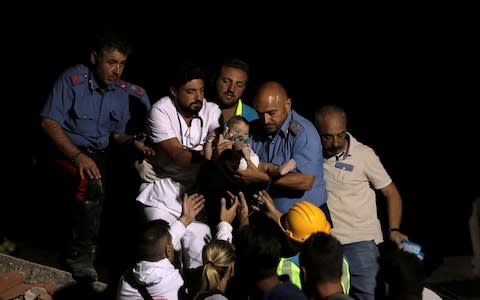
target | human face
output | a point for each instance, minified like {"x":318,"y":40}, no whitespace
{"x":238,"y":131}
{"x":272,"y":110}
{"x":109,"y":65}
{"x":189,"y":97}
{"x":333,"y":134}
{"x":169,"y":250}
{"x":230,"y":85}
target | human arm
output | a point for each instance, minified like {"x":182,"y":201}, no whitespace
{"x":304,"y":148}
{"x":266,"y":205}
{"x":394,"y":209}
{"x":177,"y":153}
{"x":191,"y":206}
{"x":293,"y":180}
{"x":208,"y":147}
{"x":136,"y":140}
{"x":227,"y":215}
{"x":85,"y":165}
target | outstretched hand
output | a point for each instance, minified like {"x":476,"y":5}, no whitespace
{"x":266,"y":205}
{"x":229,"y":214}
{"x":191,"y":206}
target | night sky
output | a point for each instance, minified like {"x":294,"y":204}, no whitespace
{"x":404,"y":75}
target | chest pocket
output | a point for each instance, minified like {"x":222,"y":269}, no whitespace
{"x":84,"y":117}
{"x":117,"y":109}
{"x":344,"y":172}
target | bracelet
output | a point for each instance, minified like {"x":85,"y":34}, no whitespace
{"x":394,"y":229}
{"x":74,"y":158}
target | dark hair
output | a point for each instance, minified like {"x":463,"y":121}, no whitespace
{"x":111,"y":40}
{"x":326,"y":266}
{"x":236,"y":64}
{"x":259,"y":248}
{"x":237,"y":119}
{"x":153,"y":239}
{"x":184,"y":72}
{"x":403,"y":272}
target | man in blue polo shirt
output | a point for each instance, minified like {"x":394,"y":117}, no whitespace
{"x":281,"y":134}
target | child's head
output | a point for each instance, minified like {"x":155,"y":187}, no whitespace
{"x":237,"y":129}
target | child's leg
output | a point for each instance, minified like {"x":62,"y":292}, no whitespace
{"x":287,"y":167}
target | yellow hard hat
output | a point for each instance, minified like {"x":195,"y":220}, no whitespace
{"x":303,"y":219}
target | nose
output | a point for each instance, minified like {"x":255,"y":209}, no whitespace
{"x":116,"y":69}
{"x":199,"y":95}
{"x":337,"y":142}
{"x":264,"y":118}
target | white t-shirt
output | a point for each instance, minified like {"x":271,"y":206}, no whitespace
{"x":173,"y":180}
{"x":428,"y":294}
{"x":163,"y":281}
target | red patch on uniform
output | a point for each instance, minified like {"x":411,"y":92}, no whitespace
{"x":138,"y":90}
{"x":76,"y":79}
{"x":123,"y":84}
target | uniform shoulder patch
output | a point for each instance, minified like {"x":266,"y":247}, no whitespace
{"x":77,"y":78}
{"x":132,"y":88}
{"x":123,"y":84}
{"x":295,"y":127}
{"x":137,"y":90}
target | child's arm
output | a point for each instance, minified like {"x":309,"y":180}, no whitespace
{"x":208,"y":146}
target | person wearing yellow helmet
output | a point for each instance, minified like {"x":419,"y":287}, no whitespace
{"x":301,"y":221}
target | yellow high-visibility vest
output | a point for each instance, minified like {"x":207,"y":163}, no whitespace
{"x":239,"y":110}
{"x":287,"y":267}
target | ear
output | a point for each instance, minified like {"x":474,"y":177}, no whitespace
{"x":288,"y":104}
{"x":93,"y":57}
{"x":303,"y":273}
{"x":173,"y":91}
{"x":170,"y":252}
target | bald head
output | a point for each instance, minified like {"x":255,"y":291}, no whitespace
{"x":331,"y":123}
{"x":272,"y":105}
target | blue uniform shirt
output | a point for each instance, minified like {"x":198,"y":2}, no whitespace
{"x":88,"y":115}
{"x":297,"y":138}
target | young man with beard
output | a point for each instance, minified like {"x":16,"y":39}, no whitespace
{"x":178,"y":126}
{"x":230,"y":84}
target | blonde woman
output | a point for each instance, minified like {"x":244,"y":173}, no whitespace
{"x":218,"y":267}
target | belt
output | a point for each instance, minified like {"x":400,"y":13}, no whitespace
{"x":91,"y":150}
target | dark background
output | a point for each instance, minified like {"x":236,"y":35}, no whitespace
{"x":405,"y":76}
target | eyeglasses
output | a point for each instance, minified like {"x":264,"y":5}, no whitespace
{"x":191,"y":142}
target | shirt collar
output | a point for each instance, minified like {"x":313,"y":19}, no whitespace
{"x":284,"y":128}
{"x":93,"y":84}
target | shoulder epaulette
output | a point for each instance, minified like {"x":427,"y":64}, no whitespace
{"x":78,"y":78}
{"x":295,"y":127}
{"x":132,"y":88}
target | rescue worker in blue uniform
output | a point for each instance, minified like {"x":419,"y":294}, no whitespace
{"x":279,"y":135}
{"x":87,"y":107}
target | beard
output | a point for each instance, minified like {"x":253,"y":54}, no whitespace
{"x":193,"y":108}
{"x":327,"y":153}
